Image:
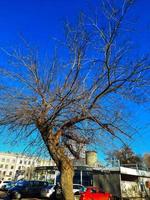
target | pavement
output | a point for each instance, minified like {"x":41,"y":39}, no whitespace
{"x":3,"y":197}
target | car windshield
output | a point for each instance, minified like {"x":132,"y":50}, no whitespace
{"x":20,"y":183}
{"x":9,"y":183}
{"x":83,"y":189}
{"x":79,"y":187}
{"x":76,"y":186}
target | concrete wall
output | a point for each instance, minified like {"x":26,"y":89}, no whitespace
{"x":109,"y":182}
{"x":91,"y":158}
{"x":133,"y":184}
{"x":130,"y":189}
{"x":144,"y":189}
{"x":134,"y":172}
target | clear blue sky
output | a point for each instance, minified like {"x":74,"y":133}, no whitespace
{"x":40,"y":20}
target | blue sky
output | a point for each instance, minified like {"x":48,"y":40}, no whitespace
{"x":41,"y":20}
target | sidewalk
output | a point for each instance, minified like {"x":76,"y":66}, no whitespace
{"x":3,"y":195}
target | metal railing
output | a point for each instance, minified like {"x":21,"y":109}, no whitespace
{"x":137,"y":166}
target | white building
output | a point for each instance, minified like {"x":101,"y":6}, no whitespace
{"x":13,"y":165}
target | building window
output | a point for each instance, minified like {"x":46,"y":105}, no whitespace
{"x":25,"y":162}
{"x":3,"y":159}
{"x":29,"y":163}
{"x":12,"y":167}
{"x":20,"y":161}
{"x":19,"y":167}
{"x":13,"y":160}
{"x":4,"y":172}
{"x":7,"y":160}
{"x":10,"y":173}
{"x":6,"y":166}
{"x":1,"y":165}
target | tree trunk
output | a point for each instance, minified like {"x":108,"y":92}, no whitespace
{"x":62,"y":161}
{"x":67,"y":173}
{"x":65,"y":167}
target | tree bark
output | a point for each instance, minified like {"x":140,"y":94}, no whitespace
{"x":64,"y":165}
{"x":67,"y":173}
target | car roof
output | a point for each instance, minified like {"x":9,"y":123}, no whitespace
{"x":92,"y":187}
{"x":32,"y":181}
{"x":78,"y":184}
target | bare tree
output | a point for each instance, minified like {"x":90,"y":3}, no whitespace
{"x":76,"y":97}
{"x":146,"y":159}
{"x":125,"y":155}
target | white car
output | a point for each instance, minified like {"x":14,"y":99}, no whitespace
{"x":77,"y":188}
{"x":49,"y":190}
{"x":3,"y":184}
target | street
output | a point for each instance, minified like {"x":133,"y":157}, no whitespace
{"x":3,"y":196}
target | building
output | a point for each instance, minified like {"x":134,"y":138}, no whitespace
{"x":123,"y":182}
{"x":128,"y":182}
{"x":15,"y":166}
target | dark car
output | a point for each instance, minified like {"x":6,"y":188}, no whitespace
{"x":27,"y":189}
{"x":46,"y":192}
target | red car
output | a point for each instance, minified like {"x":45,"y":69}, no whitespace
{"x":94,"y":193}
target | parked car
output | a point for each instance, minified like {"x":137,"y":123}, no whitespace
{"x":47,"y":191}
{"x":95,"y":193}
{"x":8,"y":185}
{"x":77,"y":188}
{"x":3,"y":184}
{"x":27,"y":189}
